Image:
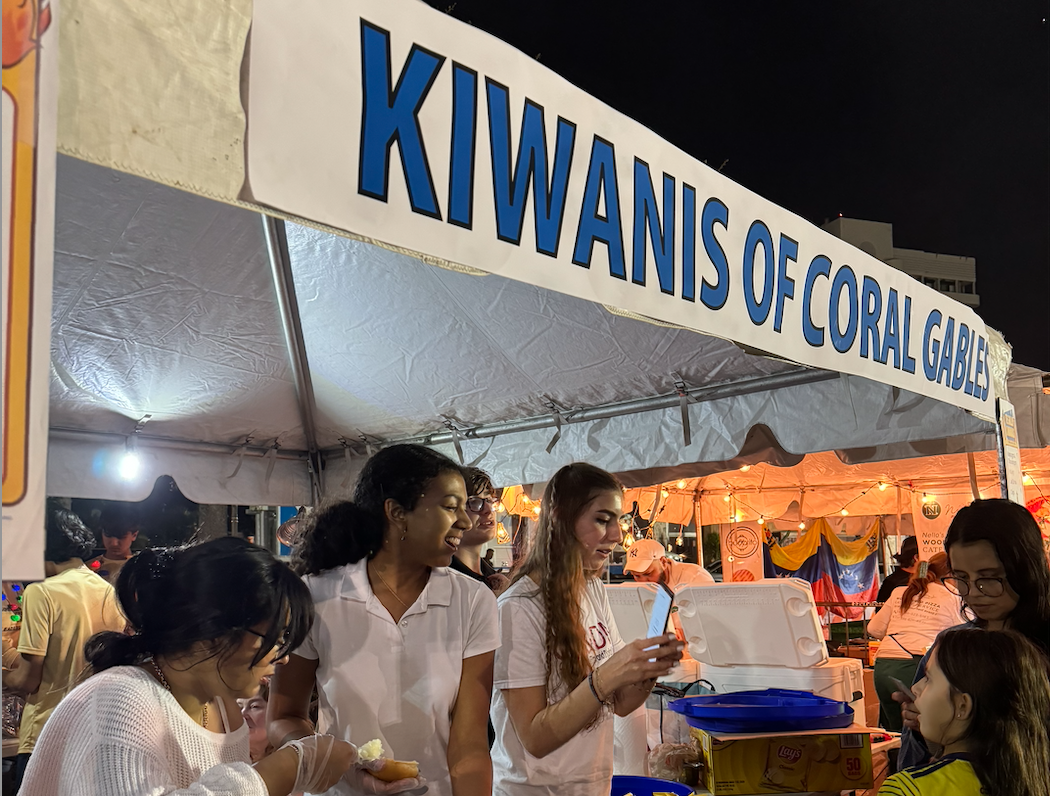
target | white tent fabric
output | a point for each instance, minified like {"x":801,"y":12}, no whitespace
{"x":166,"y":320}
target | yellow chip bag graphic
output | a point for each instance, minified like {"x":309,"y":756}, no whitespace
{"x":786,"y":764}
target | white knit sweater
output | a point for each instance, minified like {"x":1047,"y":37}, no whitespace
{"x":121,"y":733}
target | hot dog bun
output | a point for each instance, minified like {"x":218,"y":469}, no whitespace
{"x":394,"y":770}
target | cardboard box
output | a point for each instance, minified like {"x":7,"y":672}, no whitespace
{"x":819,"y":760}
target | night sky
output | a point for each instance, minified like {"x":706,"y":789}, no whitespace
{"x":932,"y":116}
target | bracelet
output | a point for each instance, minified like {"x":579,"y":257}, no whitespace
{"x":594,"y":690}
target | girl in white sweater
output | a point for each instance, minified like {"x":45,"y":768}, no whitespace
{"x":159,"y":715}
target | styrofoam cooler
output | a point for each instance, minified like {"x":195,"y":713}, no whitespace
{"x":841,"y":679}
{"x":765,"y":634}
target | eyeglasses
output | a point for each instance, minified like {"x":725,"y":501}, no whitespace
{"x":476,"y":504}
{"x":283,"y":641}
{"x":989,"y":587}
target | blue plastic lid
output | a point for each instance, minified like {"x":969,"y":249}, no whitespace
{"x":646,"y":786}
{"x":770,"y":710}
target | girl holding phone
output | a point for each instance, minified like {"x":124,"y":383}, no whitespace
{"x":563,"y":669}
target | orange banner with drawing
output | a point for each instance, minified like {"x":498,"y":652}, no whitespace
{"x":29,"y":119}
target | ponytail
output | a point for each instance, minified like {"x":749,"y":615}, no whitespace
{"x":936,"y":568}
{"x":347,"y":531}
{"x":208,"y":593}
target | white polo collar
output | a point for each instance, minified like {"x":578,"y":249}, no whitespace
{"x":356,"y":587}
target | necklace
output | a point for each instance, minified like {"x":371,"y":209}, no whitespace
{"x":164,"y":682}
{"x":382,"y":580}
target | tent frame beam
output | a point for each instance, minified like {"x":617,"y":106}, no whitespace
{"x":715,"y":392}
{"x":288,"y":303}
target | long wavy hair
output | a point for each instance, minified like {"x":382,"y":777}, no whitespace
{"x":554,"y":560}
{"x":1012,"y":531}
{"x":936,"y":568}
{"x":1006,"y":676}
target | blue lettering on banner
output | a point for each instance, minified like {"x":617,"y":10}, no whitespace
{"x":391,"y":114}
{"x":601,"y":181}
{"x":931,"y":346}
{"x":785,"y":284}
{"x":944,"y":364}
{"x":758,"y":309}
{"x":891,"y":340}
{"x":647,"y":215}
{"x":870,"y":312}
{"x":841,"y":339}
{"x":688,"y":242}
{"x":909,"y":360}
{"x":714,"y":296}
{"x":962,"y":349}
{"x":968,"y":389}
{"x":818,"y":266}
{"x":511,"y":194}
{"x":979,"y":367}
{"x":464,"y":138}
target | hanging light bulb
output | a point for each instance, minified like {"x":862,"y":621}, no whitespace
{"x":664,"y":493}
{"x":739,"y":516}
{"x":499,"y":507}
{"x":761,"y":520}
{"x":628,"y":540}
{"x":681,"y":484}
{"x":726,"y":498}
{"x":745,"y":467}
{"x":525,"y":500}
{"x":926,"y":498}
{"x":802,"y":526}
{"x":535,"y":509}
{"x":844,"y":512}
{"x":1026,"y":479}
{"x":882,"y":486}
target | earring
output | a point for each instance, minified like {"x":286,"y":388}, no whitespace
{"x":404,"y":533}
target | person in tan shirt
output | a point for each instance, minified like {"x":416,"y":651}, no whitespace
{"x":59,"y":615}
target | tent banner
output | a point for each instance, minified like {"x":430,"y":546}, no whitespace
{"x":839,"y":571}
{"x":30,"y":112}
{"x":399,"y":124}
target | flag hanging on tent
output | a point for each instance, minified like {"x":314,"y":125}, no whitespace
{"x":839,"y":571}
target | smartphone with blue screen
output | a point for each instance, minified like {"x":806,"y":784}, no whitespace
{"x":661,"y":612}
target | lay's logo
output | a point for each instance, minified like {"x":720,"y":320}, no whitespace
{"x":789,"y":754}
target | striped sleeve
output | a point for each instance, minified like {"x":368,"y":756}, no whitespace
{"x":900,"y":784}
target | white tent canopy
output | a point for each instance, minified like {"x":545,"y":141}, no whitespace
{"x":167,"y":331}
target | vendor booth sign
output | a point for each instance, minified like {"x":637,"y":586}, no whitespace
{"x":399,"y":124}
{"x":29,"y":117}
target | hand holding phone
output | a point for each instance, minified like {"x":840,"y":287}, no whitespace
{"x":903,"y":689}
{"x":661,"y":612}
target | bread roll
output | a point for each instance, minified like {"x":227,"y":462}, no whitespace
{"x":394,"y":770}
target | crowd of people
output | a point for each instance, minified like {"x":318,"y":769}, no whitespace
{"x":215,"y":668}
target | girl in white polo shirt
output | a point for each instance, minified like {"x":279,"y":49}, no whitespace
{"x":402,"y":646}
{"x":562,"y":668}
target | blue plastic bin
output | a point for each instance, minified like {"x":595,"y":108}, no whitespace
{"x":646,"y":786}
{"x":771,"y":710}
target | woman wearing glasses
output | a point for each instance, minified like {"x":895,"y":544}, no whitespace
{"x":159,"y":713}
{"x":999,"y":568}
{"x":402,"y":647}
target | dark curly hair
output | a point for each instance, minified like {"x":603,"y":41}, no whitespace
{"x":344,"y":532}
{"x":1012,"y":531}
{"x":209,"y":593}
{"x":66,"y":535}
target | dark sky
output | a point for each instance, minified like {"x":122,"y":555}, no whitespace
{"x":932,"y":116}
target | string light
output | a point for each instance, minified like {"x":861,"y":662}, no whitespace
{"x":739,"y":516}
{"x":761,"y":520}
{"x":500,"y":508}
{"x":535,"y":509}
{"x":802,"y":526}
{"x":664,"y":493}
{"x":681,"y":484}
{"x":844,"y":512}
{"x":1026,"y":479}
{"x":882,"y":486}
{"x":745,"y":467}
{"x":726,"y":498}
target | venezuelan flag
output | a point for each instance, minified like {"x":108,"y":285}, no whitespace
{"x":838,"y":571}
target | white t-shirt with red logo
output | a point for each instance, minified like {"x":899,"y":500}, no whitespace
{"x":583,"y":766}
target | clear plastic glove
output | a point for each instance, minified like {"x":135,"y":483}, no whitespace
{"x":362,"y":779}
{"x":323,"y":760}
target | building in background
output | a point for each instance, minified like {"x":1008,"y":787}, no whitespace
{"x":948,"y":273}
